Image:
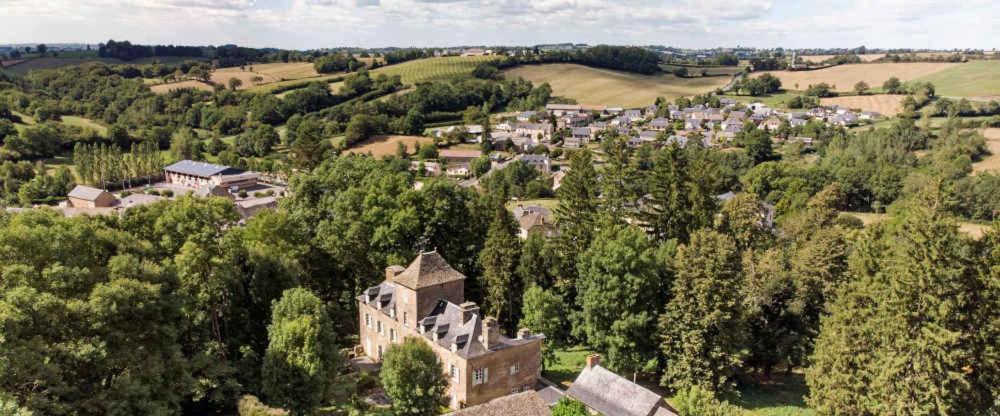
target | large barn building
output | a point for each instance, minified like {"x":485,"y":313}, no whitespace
{"x":200,"y":174}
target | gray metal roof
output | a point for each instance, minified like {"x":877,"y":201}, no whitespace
{"x":611,"y":394}
{"x":201,"y":169}
{"x":85,"y":193}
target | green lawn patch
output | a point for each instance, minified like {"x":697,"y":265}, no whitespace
{"x":569,"y":362}
{"x":972,"y":79}
{"x":782,"y":396}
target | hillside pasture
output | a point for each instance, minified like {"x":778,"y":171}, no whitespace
{"x":589,"y":85}
{"x":380,"y":146}
{"x":86,"y":124}
{"x":992,"y":161}
{"x":843,"y":77}
{"x":888,"y":105}
{"x":429,"y":69}
{"x":165,"y":88}
{"x":270,"y":73}
{"x":976,"y":80}
{"x":815,"y":59}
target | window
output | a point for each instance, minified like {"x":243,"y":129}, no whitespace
{"x":454,"y":372}
{"x":515,"y":367}
{"x":480,"y":375}
{"x":404,"y":318}
{"x":368,"y":320}
{"x":392,"y":334}
{"x":515,"y":390}
{"x":380,"y":352}
{"x":379,"y":325}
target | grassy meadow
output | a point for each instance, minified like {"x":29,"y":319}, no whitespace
{"x":843,"y":77}
{"x":429,"y":69}
{"x":589,"y":85}
{"x":975,"y":79}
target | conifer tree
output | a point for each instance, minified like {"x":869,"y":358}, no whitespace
{"x":576,"y":217}
{"x":903,"y":337}
{"x":499,"y":261}
{"x":702,"y":327}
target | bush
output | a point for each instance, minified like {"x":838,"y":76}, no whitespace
{"x":250,"y":405}
{"x":167,"y":193}
{"x":242,"y":194}
{"x":153,"y":192}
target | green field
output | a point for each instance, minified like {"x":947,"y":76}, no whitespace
{"x":430,"y":69}
{"x":598,"y":86}
{"x":979,"y":79}
{"x":777,"y":100}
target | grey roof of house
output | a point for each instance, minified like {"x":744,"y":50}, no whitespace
{"x":428,"y":269}
{"x":85,"y":193}
{"x":550,"y":395}
{"x":521,"y":404}
{"x":648,"y":134}
{"x":201,"y":169}
{"x":659,"y":122}
{"x":534,"y":158}
{"x":611,"y":394}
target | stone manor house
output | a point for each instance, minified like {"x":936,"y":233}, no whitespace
{"x":427,"y":300}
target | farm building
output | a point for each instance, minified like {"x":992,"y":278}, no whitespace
{"x":527,"y":403}
{"x":459,"y":155}
{"x":610,"y":394}
{"x":200,"y":174}
{"x":87,"y":197}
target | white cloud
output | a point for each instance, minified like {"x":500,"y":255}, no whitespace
{"x":322,"y":23}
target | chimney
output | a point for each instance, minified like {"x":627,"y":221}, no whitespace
{"x":491,"y":332}
{"x":468,"y":310}
{"x":523,"y":333}
{"x":392,"y":271}
{"x":592,"y":360}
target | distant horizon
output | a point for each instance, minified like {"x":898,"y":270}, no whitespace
{"x":473,"y":45}
{"x":688,"y":24}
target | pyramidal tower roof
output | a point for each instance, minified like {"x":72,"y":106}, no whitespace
{"x":428,"y":269}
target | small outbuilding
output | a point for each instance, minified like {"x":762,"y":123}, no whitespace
{"x":88,"y":197}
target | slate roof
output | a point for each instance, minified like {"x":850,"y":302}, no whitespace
{"x":550,"y":395}
{"x":85,"y":193}
{"x":521,"y":404}
{"x":581,"y":131}
{"x":428,"y":269}
{"x":611,"y":394}
{"x":201,"y":169}
{"x":531,"y":220}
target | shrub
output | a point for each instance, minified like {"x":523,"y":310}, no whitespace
{"x":167,"y":193}
{"x":250,"y":405}
{"x":242,"y":194}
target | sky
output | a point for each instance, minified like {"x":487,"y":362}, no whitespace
{"x":308,"y":24}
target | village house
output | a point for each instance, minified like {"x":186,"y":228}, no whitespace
{"x":560,"y":109}
{"x":770,"y":124}
{"x":535,"y":223}
{"x":426,"y":300}
{"x":541,"y":131}
{"x":526,"y":116}
{"x":87,"y":197}
{"x":633,"y":115}
{"x":659,"y":124}
{"x":540,"y":162}
{"x":610,"y":394}
{"x":581,"y":135}
{"x":199,"y":174}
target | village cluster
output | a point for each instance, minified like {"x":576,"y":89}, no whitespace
{"x":573,"y":126}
